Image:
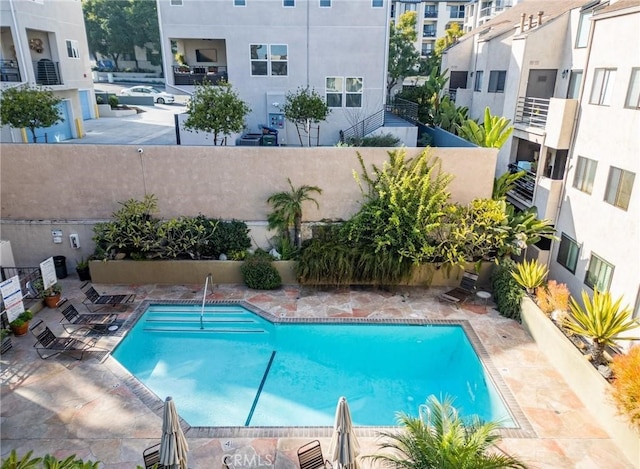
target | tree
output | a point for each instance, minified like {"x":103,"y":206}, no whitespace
{"x":403,"y":56}
{"x":287,"y":210}
{"x":450,"y":37}
{"x":109,"y":27}
{"x":146,"y":33}
{"x":441,"y":439}
{"x":216,"y":109}
{"x":30,"y":107}
{"x":303,"y":108}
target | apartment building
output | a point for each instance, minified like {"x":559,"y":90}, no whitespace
{"x":478,"y":12}
{"x":268,"y":48}
{"x":45,"y":43}
{"x":433,"y":19}
{"x":556,"y":69}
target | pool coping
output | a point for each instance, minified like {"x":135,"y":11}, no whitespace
{"x":524,"y":428}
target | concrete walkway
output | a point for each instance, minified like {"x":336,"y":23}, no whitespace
{"x":91,"y":408}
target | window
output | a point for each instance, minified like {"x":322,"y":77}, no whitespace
{"x":456,"y":11}
{"x":574,"y":84}
{"x":175,"y":3}
{"x":599,"y":274}
{"x":429,"y":30}
{"x":478,"y":83}
{"x":269,"y":60}
{"x":633,"y":95}
{"x":239,"y":3}
{"x":353,"y":96}
{"x":568,"y":253}
{"x":583,"y":29}
{"x":427,"y":49}
{"x":619,"y":185}
{"x":496,"y":81}
{"x":430,"y":11}
{"x":377,"y":3}
{"x":585,"y":174}
{"x":334,"y":87}
{"x":325,"y":3}
{"x":72,"y":49}
{"x":603,"y":79}
{"x":288,"y":3}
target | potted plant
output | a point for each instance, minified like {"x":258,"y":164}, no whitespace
{"x":50,"y":295}
{"x":20,"y":325}
{"x":82,"y":268}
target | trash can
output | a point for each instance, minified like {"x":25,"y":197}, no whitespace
{"x":60,"y":262}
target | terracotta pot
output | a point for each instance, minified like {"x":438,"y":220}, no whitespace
{"x":20,"y":330}
{"x":52,"y":301}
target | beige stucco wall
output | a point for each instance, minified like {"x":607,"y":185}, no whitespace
{"x":46,"y":185}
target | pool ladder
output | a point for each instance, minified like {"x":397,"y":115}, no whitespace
{"x":208,"y":282}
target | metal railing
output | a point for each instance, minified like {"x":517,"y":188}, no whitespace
{"x":9,"y":71}
{"x":428,"y":33}
{"x":185,"y":75}
{"x":47,"y":72}
{"x":430,"y":14}
{"x":407,"y":110}
{"x":532,"y":111}
{"x":525,"y":186}
{"x":364,"y":127}
{"x":25,"y":274}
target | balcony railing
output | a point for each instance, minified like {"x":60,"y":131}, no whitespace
{"x":9,"y":70}
{"x":429,"y":33}
{"x":47,"y":72}
{"x":185,"y":75}
{"x":532,"y":111}
{"x":430,"y":14}
{"x":525,"y":186}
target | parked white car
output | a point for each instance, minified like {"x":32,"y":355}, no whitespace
{"x":159,"y":97}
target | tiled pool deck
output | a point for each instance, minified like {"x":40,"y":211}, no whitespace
{"x":95,"y":410}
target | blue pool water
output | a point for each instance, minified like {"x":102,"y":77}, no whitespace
{"x":242,"y":370}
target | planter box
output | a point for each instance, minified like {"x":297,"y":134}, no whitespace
{"x":588,"y":384}
{"x":177,"y":272}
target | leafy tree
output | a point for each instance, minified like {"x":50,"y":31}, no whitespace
{"x":146,"y":33}
{"x":403,"y":56}
{"x":29,"y":107}
{"x":287,"y":210}
{"x":427,"y":96}
{"x":602,"y":320}
{"x":303,"y":108}
{"x":216,"y":109}
{"x":448,"y":116}
{"x":450,"y":37}
{"x":492,"y":133}
{"x":109,"y":27}
{"x":441,"y":439}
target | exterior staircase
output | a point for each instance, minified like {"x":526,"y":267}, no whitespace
{"x":397,"y":114}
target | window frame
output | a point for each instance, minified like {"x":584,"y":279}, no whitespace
{"x":352,"y":94}
{"x":498,"y":74}
{"x":602,"y":86}
{"x":279,"y":60}
{"x":633,"y":94}
{"x":585,"y":174}
{"x":268,"y":60}
{"x":582,"y":34}
{"x":457,"y":8}
{"x":598,"y":263}
{"x":477,"y":81}
{"x":575,"y":81}
{"x":564,"y":255}
{"x":73,"y":48}
{"x":334,"y":92}
{"x":239,"y":3}
{"x":613,"y":193}
{"x":288,"y":3}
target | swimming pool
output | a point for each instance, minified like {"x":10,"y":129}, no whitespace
{"x":241,"y":370}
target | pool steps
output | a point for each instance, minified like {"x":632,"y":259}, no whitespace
{"x":227,"y":319}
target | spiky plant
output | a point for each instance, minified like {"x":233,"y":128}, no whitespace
{"x":443,"y":440}
{"x":602,"y":320}
{"x":530,"y":275}
{"x":492,"y":133}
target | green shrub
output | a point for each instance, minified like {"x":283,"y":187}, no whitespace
{"x":259,"y":272}
{"x":506,"y":291}
{"x":626,"y":387}
{"x":13,"y":461}
{"x":386,"y":140}
{"x":230,"y":238}
{"x":113,"y":101}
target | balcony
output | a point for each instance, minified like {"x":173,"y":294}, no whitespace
{"x":47,"y":72}
{"x":430,"y":14}
{"x":185,"y":75}
{"x":9,"y":71}
{"x":554,"y":116}
{"x":522,"y":193}
{"x":428,"y":33}
{"x":532,"y":112}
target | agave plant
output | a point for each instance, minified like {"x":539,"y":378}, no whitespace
{"x":602,"y":320}
{"x":441,"y":439}
{"x":530,"y":275}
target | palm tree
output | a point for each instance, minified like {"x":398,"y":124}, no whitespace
{"x":441,"y":439}
{"x":602,"y":320}
{"x":287,"y":210}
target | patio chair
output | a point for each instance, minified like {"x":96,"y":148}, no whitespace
{"x":48,"y":341}
{"x":96,"y":322}
{"x":151,"y":457}
{"x":93,"y":298}
{"x":310,"y":456}
{"x":461,"y":293}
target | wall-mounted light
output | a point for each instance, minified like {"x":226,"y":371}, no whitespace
{"x":565,"y":72}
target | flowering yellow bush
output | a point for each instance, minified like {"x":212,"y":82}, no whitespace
{"x":552,"y":296}
{"x":626,"y":387}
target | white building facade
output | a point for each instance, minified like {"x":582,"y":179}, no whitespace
{"x":557,"y":71}
{"x":45,"y":43}
{"x":269,"y":48}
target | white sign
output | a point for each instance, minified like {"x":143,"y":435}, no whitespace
{"x":48,"y":270}
{"x":12,"y":297}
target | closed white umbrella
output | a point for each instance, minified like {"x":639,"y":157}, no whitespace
{"x":173,"y":445}
{"x":344,"y":445}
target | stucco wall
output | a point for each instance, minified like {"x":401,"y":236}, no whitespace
{"x":43,"y":186}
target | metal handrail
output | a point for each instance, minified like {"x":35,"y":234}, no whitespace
{"x":204,"y":298}
{"x":525,"y":186}
{"x":532,"y":111}
{"x":408,"y":110}
{"x":364,"y":127}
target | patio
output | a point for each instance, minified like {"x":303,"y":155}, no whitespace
{"x":63,"y":406}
